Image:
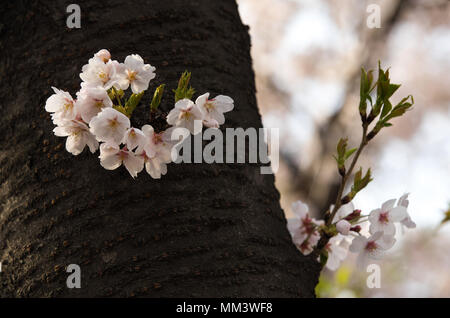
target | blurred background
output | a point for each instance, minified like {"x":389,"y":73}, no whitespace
{"x":307,"y":56}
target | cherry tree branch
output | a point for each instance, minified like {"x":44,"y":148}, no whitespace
{"x":345,"y":177}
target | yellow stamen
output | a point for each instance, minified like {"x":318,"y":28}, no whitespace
{"x":157,"y":138}
{"x":131,"y":75}
{"x":103,"y":76}
{"x":185,"y":115}
{"x":99,"y":104}
{"x":68,"y":106}
{"x":209,"y":106}
{"x":113,"y":123}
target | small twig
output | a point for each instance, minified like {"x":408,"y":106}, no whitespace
{"x":344,"y":180}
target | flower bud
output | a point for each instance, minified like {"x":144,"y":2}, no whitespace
{"x":104,"y":55}
{"x":347,"y":198}
{"x":343,"y":227}
{"x":356,"y":229}
{"x":355,"y":214}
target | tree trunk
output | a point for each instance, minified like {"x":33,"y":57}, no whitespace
{"x":203,"y":230}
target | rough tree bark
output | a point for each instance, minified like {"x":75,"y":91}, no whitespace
{"x":203,"y":230}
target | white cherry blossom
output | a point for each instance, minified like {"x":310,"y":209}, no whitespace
{"x":135,"y":73}
{"x":343,"y":211}
{"x":303,"y":228}
{"x":382,"y":220}
{"x":184,"y":115}
{"x":213,"y":109}
{"x":300,"y":211}
{"x":78,"y":136}
{"x":309,"y":243}
{"x":62,"y":105}
{"x":155,"y":166}
{"x":156,"y":151}
{"x":343,"y":227}
{"x":337,"y":249}
{"x":109,"y":125}
{"x":210,"y":123}
{"x":92,"y":118}
{"x":373,"y":247}
{"x":99,"y":73}
{"x":407,"y":221}
{"x":91,"y":101}
{"x":104,"y":55}
{"x":133,"y":138}
{"x":112,"y":157}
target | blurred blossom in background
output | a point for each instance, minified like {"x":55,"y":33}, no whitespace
{"x":307,"y":56}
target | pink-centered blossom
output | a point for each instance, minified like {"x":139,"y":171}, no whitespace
{"x":91,"y":101}
{"x":343,"y":227}
{"x":62,"y":105}
{"x":112,"y":157}
{"x":98,"y":73}
{"x":78,"y":136}
{"x":343,"y":211}
{"x":213,"y":109}
{"x":337,"y":249}
{"x":373,"y":247}
{"x":133,"y":72}
{"x":133,"y":138}
{"x":184,"y":114}
{"x":103,"y":55}
{"x":407,"y":221}
{"x":156,"y":151}
{"x":303,"y":228}
{"x":383,"y":219}
{"x":109,"y":125}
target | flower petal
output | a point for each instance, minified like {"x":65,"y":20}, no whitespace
{"x":389,"y":204}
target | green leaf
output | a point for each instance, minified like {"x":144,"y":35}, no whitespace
{"x":387,"y":106}
{"x":349,"y":153}
{"x":367,"y":178}
{"x":383,"y":106}
{"x":157,"y":96}
{"x":342,"y":153}
{"x":377,"y":107}
{"x":132,"y":102}
{"x":120,"y":109}
{"x":392,"y":89}
{"x":446,"y":216}
{"x":111,"y":93}
{"x":364,"y":92}
{"x":184,"y":90}
{"x":357,"y":177}
{"x":341,"y":147}
{"x":360,"y":182}
{"x":336,"y":158}
{"x":362,"y":85}
{"x":402,"y":107}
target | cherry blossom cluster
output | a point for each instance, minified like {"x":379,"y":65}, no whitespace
{"x":97,"y":117}
{"x":342,"y":227}
{"x":347,"y":227}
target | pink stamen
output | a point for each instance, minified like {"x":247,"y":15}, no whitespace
{"x":384,"y":217}
{"x":304,"y":246}
{"x":371,"y":246}
{"x":157,"y":138}
{"x":308,"y":225}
